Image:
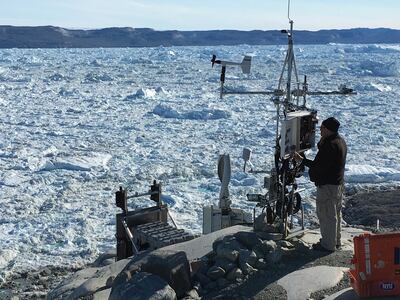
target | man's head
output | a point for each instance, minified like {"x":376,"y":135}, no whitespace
{"x":329,"y":127}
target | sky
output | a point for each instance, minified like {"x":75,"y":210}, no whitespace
{"x":202,"y":14}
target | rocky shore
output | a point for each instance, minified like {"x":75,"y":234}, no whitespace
{"x":242,"y":265}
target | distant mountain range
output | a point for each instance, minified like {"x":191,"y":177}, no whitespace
{"x":56,"y":37}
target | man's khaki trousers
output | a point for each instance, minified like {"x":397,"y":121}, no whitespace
{"x":329,"y":212}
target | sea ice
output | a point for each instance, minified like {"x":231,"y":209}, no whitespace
{"x":79,"y":123}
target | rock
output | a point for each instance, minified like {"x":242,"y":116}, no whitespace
{"x":274,"y":236}
{"x":261,"y":264}
{"x":247,"y":256}
{"x":110,"y":281}
{"x":199,"y":265}
{"x":143,"y":285}
{"x":172,"y":266}
{"x":211,"y":286}
{"x":191,"y":295}
{"x":215,"y":272}
{"x":197,"y":287}
{"x":247,"y":269}
{"x":222,"y":282}
{"x":269,"y":246}
{"x":86,"y":282}
{"x":203,"y":279}
{"x":264,"y":248}
{"x":223,"y":251}
{"x":261,"y":224}
{"x":274,"y":256}
{"x":105,"y":259}
{"x":229,"y":242}
{"x":235,"y":274}
{"x":102,"y":295}
{"x":260,"y":221}
{"x":108,"y":261}
{"x":283,"y":243}
{"x":248,"y":239}
{"x":221,"y":240}
{"x":302,"y":247}
{"x":225,"y":264}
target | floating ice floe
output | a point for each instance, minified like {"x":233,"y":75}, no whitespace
{"x":146,"y":93}
{"x":381,"y":87}
{"x":142,"y":93}
{"x":12,"y":178}
{"x":57,"y":77}
{"x":67,"y":93}
{"x":50,"y":152}
{"x":82,"y":163}
{"x":376,"y":68}
{"x":94,"y":78}
{"x":6,"y":256}
{"x":243,"y":179}
{"x":95,"y":63}
{"x":373,"y":87}
{"x":206,"y":114}
{"x":369,"y":48}
{"x":370,"y":174}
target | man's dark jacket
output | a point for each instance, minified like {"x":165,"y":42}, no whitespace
{"x":329,"y":163}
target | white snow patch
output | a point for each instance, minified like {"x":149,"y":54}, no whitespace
{"x":370,"y":174}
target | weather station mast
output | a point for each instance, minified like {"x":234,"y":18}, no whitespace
{"x":295,"y":131}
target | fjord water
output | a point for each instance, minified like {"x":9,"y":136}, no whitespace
{"x":78,"y":123}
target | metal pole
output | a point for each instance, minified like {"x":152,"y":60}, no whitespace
{"x":283,"y":214}
{"x":222,"y":79}
{"x":290,"y":66}
{"x":172,"y":220}
{"x":130,"y":236}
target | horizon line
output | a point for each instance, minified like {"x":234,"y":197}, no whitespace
{"x":186,"y":30}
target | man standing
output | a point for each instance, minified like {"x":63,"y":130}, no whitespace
{"x":327,"y":172}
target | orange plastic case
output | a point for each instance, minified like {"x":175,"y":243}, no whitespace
{"x":376,"y":263}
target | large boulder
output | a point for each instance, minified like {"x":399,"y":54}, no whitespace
{"x":227,"y":253}
{"x":216,"y":272}
{"x":86,"y":282}
{"x":235,"y":274}
{"x":264,"y":248}
{"x":224,"y":264}
{"x":247,"y":256}
{"x":143,"y":285}
{"x":105,"y":259}
{"x":249,"y":239}
{"x":227,"y":242}
{"x":274,"y":256}
{"x":247,"y":269}
{"x":172,"y":266}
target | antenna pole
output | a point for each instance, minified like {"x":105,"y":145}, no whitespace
{"x":290,"y":55}
{"x":288,"y":10}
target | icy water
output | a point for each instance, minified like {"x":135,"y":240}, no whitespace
{"x":78,"y":123}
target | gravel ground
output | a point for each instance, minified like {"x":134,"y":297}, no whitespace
{"x":262,"y":285}
{"x":33,"y":284}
